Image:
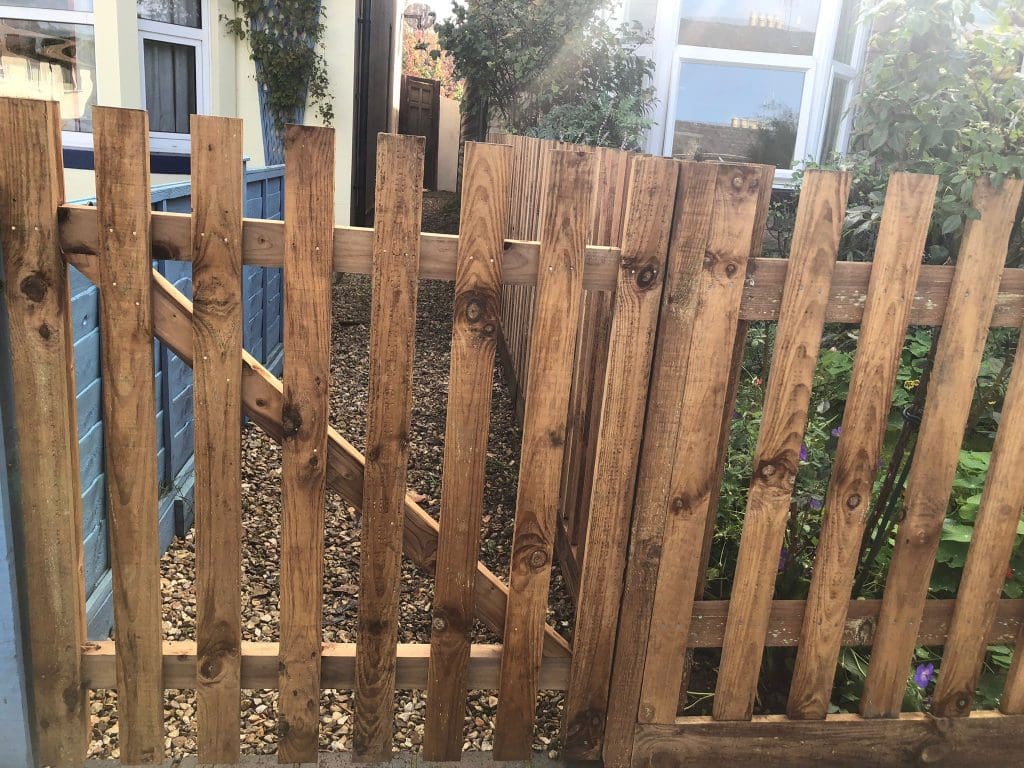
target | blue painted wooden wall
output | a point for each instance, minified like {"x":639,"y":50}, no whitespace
{"x":262,"y":335}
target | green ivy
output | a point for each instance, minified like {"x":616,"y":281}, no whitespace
{"x":286,"y":41}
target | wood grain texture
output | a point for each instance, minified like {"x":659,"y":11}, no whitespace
{"x":568,"y":192}
{"x":338,"y":666}
{"x":819,"y":223}
{"x":217,"y":339}
{"x":725,"y":200}
{"x":483,"y":220}
{"x":995,"y":530}
{"x":951,"y":389}
{"x":986,"y":739}
{"x":707,"y":628}
{"x":35,"y":282}
{"x":121,"y":138}
{"x":262,"y":398}
{"x":634,"y":322}
{"x":263,"y":244}
{"x":309,"y":208}
{"x":694,"y":210}
{"x":399,"y":211}
{"x":896,"y":265}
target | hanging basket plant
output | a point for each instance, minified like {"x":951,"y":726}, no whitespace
{"x":286,"y":41}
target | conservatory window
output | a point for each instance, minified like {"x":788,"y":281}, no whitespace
{"x":174,"y":47}
{"x":755,"y":80}
{"x":48,"y":51}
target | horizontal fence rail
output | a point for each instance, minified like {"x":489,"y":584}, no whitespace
{"x":627,"y":355}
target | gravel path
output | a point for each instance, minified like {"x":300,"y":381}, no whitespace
{"x":261,"y":476}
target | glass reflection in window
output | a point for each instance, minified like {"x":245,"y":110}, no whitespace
{"x":737,"y":113}
{"x":772,"y":26}
{"x":834,"y":120}
{"x":52,"y":61}
{"x":185,"y":13}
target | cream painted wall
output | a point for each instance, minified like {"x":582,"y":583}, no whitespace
{"x":448,"y":144}
{"x":234,"y":89}
{"x":339,"y":50}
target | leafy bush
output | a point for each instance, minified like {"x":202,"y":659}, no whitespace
{"x":554,"y":68}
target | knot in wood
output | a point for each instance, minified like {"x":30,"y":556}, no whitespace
{"x":853,"y":500}
{"x":645,"y":277}
{"x":737,"y":181}
{"x":537,"y":560}
{"x":34,"y":286}
{"x":439,"y":624}
{"x":730,"y":269}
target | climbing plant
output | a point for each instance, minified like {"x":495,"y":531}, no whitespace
{"x":286,"y":40}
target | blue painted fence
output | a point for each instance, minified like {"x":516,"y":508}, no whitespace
{"x":262,"y":335}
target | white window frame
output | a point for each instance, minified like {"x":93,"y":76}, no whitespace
{"x":179,"y":143}
{"x":818,"y":68}
{"x":72,"y":139}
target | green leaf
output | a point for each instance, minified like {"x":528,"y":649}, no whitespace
{"x":951,"y":224}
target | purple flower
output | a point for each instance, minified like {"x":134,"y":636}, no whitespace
{"x":783,"y":559}
{"x":735,"y":415}
{"x":837,"y":431}
{"x":803,"y":451}
{"x":923,"y":675}
{"x":815,"y":504}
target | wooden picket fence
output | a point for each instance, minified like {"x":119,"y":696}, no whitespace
{"x":682,"y":281}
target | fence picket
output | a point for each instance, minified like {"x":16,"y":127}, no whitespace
{"x":648,"y":227}
{"x":308,"y":219}
{"x":954,"y":374}
{"x":399,"y":211}
{"x":483,"y":220}
{"x":995,"y":530}
{"x":568,"y":194}
{"x":217,"y":339}
{"x":729,"y":203}
{"x":129,"y":423}
{"x":896,"y":265}
{"x":42,"y":366}
{"x":815,"y":248}
{"x":686,"y":290}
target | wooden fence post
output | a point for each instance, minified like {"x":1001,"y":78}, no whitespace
{"x":485,"y":199}
{"x":39,"y":317}
{"x":396,"y":259}
{"x":308,"y":221}
{"x":568,"y":191}
{"x":649,"y":214}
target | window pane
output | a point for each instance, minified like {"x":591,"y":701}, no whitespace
{"x":170,"y":85}
{"x":775,"y":26}
{"x":737,"y":113}
{"x":183,"y":12}
{"x":834,"y":119}
{"x":47,"y":60}
{"x":54,"y":5}
{"x":847,"y":31}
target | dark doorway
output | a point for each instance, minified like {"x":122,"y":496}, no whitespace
{"x":419,"y":114}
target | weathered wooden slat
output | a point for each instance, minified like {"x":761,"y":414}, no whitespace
{"x":338,"y":666}
{"x":217,"y":339}
{"x":263,"y":245}
{"x":951,"y":389}
{"x":309,"y":207}
{"x":901,"y":238}
{"x":121,"y":138}
{"x":776,"y":460}
{"x":398,"y":214}
{"x":995,"y":530}
{"x":568,"y":193}
{"x":724,"y":201}
{"x":42,"y":363}
{"x":262,"y":399}
{"x":694,"y":211}
{"x":841,"y":741}
{"x":483,"y":220}
{"x":630,"y":352}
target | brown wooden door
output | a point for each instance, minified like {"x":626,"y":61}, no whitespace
{"x":419,"y":115}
